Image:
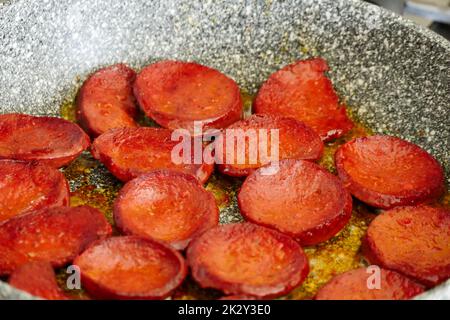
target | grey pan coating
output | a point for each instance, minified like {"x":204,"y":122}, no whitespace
{"x":394,"y":74}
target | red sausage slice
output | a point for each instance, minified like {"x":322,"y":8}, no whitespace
{"x":53,"y":141}
{"x":414,"y":241}
{"x":385,"y":172}
{"x":131,"y":268}
{"x":175,"y":94}
{"x":26,"y":186}
{"x":302,"y":199}
{"x":295,"y":141}
{"x":246,"y":259}
{"x":165,"y":205}
{"x":302,"y":91}
{"x":130,"y":152}
{"x":106,"y":100}
{"x":56,"y":235}
{"x":38,"y":279}
{"x":356,"y":285}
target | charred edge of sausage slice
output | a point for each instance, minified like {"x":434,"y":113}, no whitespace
{"x":238,"y":297}
{"x":56,"y":235}
{"x":106,"y":100}
{"x":27,"y":186}
{"x":303,"y":91}
{"x":130,"y":152}
{"x":165,"y":205}
{"x":51,"y":140}
{"x":301,"y":199}
{"x":295,"y":141}
{"x":365,"y":284}
{"x":130,"y":267}
{"x":385,"y":172}
{"x":38,"y":279}
{"x":413,"y":241}
{"x":176,"y":93}
{"x":246,"y":259}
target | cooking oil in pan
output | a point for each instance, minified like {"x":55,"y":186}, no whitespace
{"x":93,"y":185}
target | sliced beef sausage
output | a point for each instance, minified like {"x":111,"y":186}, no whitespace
{"x":106,"y":100}
{"x":301,"y":199}
{"x":52,"y":141}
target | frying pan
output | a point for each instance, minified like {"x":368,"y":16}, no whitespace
{"x":394,"y":75}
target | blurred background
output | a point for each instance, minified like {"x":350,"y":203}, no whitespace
{"x":434,"y":14}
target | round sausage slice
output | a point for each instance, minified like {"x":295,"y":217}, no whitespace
{"x":302,"y":199}
{"x":130,"y":268}
{"x":130,"y":152}
{"x":256,"y":138}
{"x":56,"y":235}
{"x":360,"y":284}
{"x":165,"y":205}
{"x":38,"y":279}
{"x":385,"y":171}
{"x":302,"y":91}
{"x":246,"y":259}
{"x":175,"y":94}
{"x":53,"y":141}
{"x":106,"y":100}
{"x":26,"y":186}
{"x":413,"y":241}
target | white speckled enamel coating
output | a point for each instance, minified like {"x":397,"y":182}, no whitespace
{"x":395,"y":75}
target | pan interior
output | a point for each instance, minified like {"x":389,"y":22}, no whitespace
{"x":394,"y":76}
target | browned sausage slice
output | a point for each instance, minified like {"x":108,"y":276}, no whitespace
{"x":302,"y":199}
{"x":247,"y":137}
{"x":165,"y":205}
{"x":26,"y":186}
{"x":53,"y":141}
{"x":106,"y":100}
{"x":38,"y":279}
{"x":385,"y":171}
{"x":131,"y":268}
{"x":414,"y":241}
{"x":246,"y":259}
{"x":175,"y":94}
{"x":302,"y":91}
{"x":130,"y":152}
{"x":56,"y":235}
{"x":358,"y":285}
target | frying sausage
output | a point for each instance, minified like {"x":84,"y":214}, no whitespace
{"x":106,"y":100}
{"x":56,"y":235}
{"x":53,"y":141}
{"x":130,"y":267}
{"x":302,"y":200}
{"x":175,"y":94}
{"x":302,"y":91}
{"x":130,"y":152}
{"x":357,"y":285}
{"x":38,"y":279}
{"x":165,"y":205}
{"x":413,"y":241}
{"x":246,"y":259}
{"x":295,"y":141}
{"x":385,"y":172}
{"x":26,"y":186}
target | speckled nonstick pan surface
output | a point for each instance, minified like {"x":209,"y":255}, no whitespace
{"x":394,"y":75}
